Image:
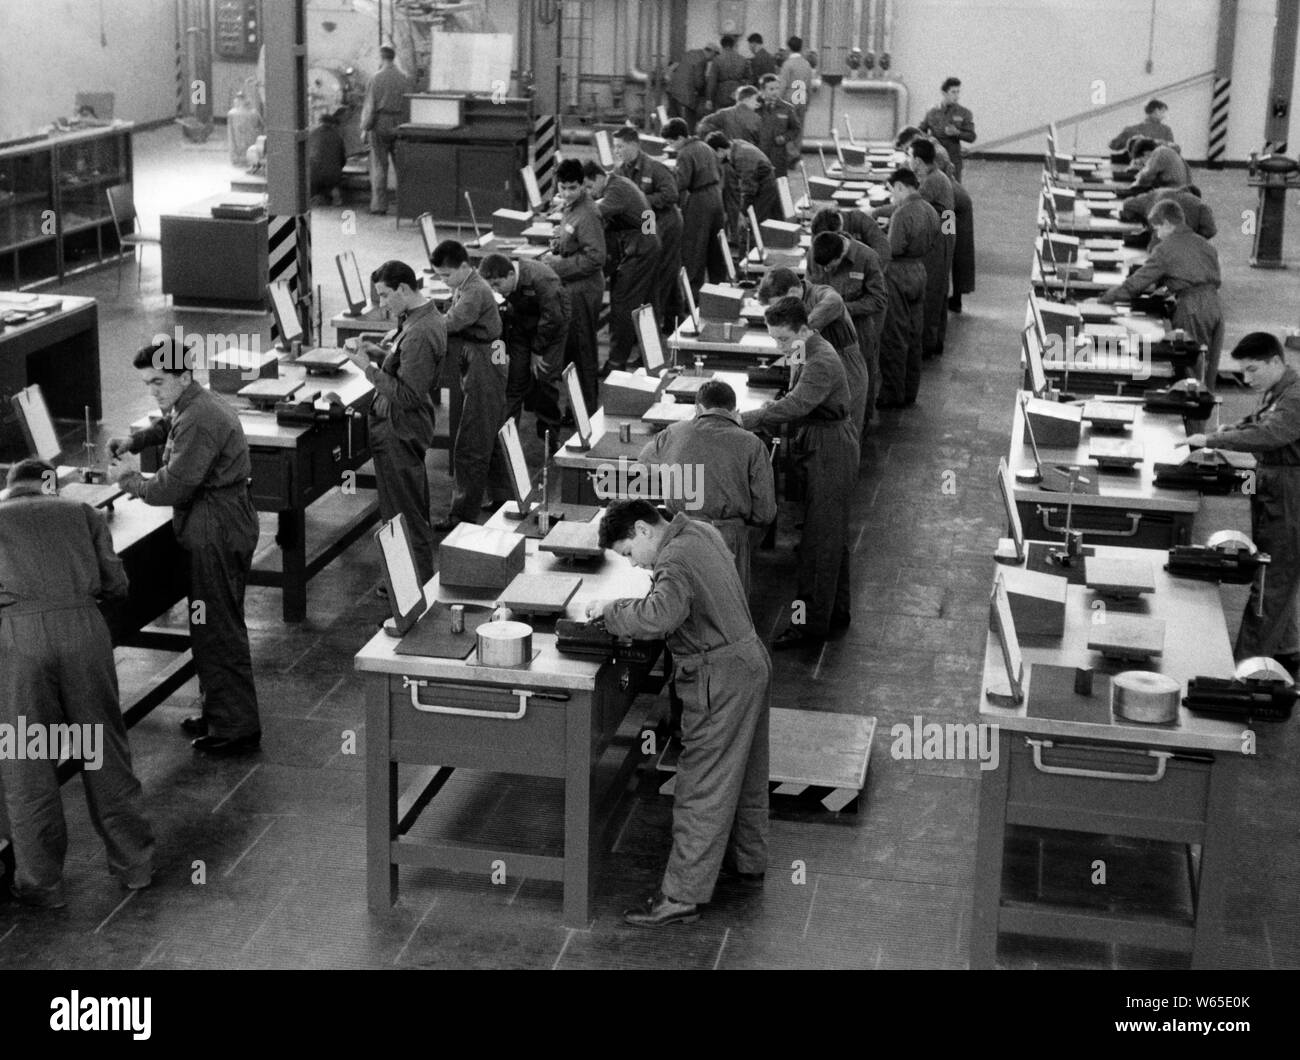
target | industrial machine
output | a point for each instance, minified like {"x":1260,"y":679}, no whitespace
{"x":1274,"y":176}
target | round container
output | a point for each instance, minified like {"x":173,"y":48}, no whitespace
{"x":458,"y":618}
{"x":1139,"y":695}
{"x":505,"y":643}
{"x":625,"y":432}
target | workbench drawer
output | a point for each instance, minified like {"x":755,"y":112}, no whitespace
{"x":1118,"y":794}
{"x":1105,"y":526}
{"x":484,"y":726}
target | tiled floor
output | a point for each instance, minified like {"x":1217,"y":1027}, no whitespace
{"x":261,"y":862}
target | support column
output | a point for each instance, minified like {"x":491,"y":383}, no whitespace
{"x":1282,"y":77}
{"x":548,"y":66}
{"x":1220,"y":99}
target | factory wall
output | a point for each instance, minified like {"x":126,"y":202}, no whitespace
{"x":52,"y":48}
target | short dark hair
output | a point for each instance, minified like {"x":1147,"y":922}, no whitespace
{"x":903,"y":175}
{"x":592,"y":169}
{"x":950,"y":82}
{"x":387,"y":52}
{"x":1156,"y":105}
{"x":778,"y":281}
{"x":826,"y":247}
{"x":827,"y":219}
{"x":626,"y":132}
{"x":393,"y":274}
{"x":923,"y":149}
{"x":1167,"y":211}
{"x":676,"y":129}
{"x":767,"y":79}
{"x":1258,"y":346}
{"x":755,"y":38}
{"x":621,"y":517}
{"x":787,"y":312}
{"x":715,"y":394}
{"x":728,"y":41}
{"x":795,"y":44}
{"x":1141,"y":145}
{"x":718,"y":141}
{"x":162,"y":356}
{"x":495,"y":267}
{"x":745,"y":92}
{"x":450,"y":253}
{"x":905,"y":136}
{"x":570,"y":171}
{"x":33,"y":469}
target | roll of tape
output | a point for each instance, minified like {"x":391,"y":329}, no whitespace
{"x":1139,"y":695}
{"x":505,"y":643}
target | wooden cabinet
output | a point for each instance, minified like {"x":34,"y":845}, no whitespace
{"x":54,"y":216}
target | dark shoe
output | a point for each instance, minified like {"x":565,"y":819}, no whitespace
{"x":195,"y":725}
{"x":659,"y":911}
{"x":139,"y":882}
{"x":379,"y":213}
{"x":729,"y":869}
{"x":792,"y":638}
{"x":954,"y":305}
{"x":222,"y":746}
{"x":443,"y":526}
{"x":40,"y":901}
{"x":889,"y":404}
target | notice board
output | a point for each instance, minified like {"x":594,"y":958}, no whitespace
{"x":470,"y":62}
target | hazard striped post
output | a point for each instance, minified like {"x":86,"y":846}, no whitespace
{"x":180,"y":66}
{"x":1220,"y":102}
{"x":288,"y":258}
{"x":546,"y":144}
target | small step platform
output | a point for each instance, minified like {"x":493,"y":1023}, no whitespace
{"x":812,"y":753}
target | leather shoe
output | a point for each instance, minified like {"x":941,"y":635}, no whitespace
{"x":443,"y":526}
{"x":729,"y":869}
{"x":228,"y":745}
{"x":39,"y":901}
{"x":195,"y":725}
{"x":659,"y":911}
{"x":792,"y":638}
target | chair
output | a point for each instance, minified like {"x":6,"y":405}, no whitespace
{"x":121,"y":204}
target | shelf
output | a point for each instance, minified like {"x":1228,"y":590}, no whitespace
{"x":24,"y":198}
{"x":82,"y":226}
{"x":23,"y":244}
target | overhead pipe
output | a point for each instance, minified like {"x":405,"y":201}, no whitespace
{"x":782,"y":22}
{"x":866,"y":28}
{"x":886,"y":34}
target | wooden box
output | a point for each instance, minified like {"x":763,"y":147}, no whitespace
{"x":780,"y":235}
{"x":1054,"y":426}
{"x":720,"y":302}
{"x":628,"y":394}
{"x":476,"y":557}
{"x":233,"y":369}
{"x":510,"y":224}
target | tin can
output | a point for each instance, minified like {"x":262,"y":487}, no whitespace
{"x":295,"y":349}
{"x":458,"y":618}
{"x":625,"y":432}
{"x":544,"y":520}
{"x":699,"y":365}
{"x":726,"y":331}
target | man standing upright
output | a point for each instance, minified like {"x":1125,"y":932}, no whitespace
{"x":204,"y":477}
{"x":577,"y":257}
{"x":760,"y":59}
{"x":473,"y":333}
{"x":728,"y":71}
{"x":950,"y":123}
{"x":796,"y":84}
{"x":936,"y":189}
{"x":724,"y":676}
{"x":913,"y":231}
{"x":659,"y":186}
{"x":686,"y":85}
{"x":699,"y":189}
{"x":779,"y":126}
{"x":383,"y":111}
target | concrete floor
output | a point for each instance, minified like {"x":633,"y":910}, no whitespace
{"x":261,"y":861}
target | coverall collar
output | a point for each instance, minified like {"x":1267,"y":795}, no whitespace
{"x":721,"y":414}
{"x":1289,"y":379}
{"x":187,"y":397}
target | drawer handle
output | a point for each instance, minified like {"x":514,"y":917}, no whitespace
{"x":1045,"y":513}
{"x":1162,"y":760}
{"x":415,"y":684}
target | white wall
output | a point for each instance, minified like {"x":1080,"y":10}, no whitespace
{"x":51,"y":48}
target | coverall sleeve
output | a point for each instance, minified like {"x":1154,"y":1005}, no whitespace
{"x":662,"y":610}
{"x":1274,"y":429}
{"x":829,"y":308}
{"x":663,"y":189}
{"x":409,"y":387}
{"x":762,"y":488}
{"x":1151,"y":273}
{"x":551,"y":321}
{"x":814,"y":386}
{"x":468,"y":309}
{"x":154,"y":434}
{"x":194,"y":451}
{"x":113,"y":584}
{"x":871,"y":297}
{"x":590,"y":257}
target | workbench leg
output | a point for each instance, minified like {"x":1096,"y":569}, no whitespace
{"x":455,"y":402}
{"x":1216,"y":862}
{"x":292,"y":540}
{"x":988,"y":857}
{"x":578,"y":853}
{"x":381,"y":799}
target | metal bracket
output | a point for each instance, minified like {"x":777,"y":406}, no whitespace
{"x":1162,"y":760}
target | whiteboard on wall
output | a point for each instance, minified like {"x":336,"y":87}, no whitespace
{"x":471,"y":62}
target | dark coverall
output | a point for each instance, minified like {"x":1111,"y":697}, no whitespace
{"x":686,"y":86}
{"x":699,"y":188}
{"x":749,"y":181}
{"x":737,"y":122}
{"x":381,"y":115}
{"x":830,"y":318}
{"x":826,"y":451}
{"x":1272,"y":433}
{"x":536,"y":325}
{"x":737,"y":495}
{"x":778,"y":134}
{"x":728,"y":71}
{"x":1198,"y":215}
{"x":963,"y":251}
{"x":1188,"y":266}
{"x":204,"y":477}
{"x":913,"y":230}
{"x":859,"y":280}
{"x":631,"y":262}
{"x":658,"y":185}
{"x":56,"y":668}
{"x":724,"y":675}
{"x":400,"y":423}
{"x":1164,"y":168}
{"x":473,"y":328}
{"x":936,"y":189}
{"x":866,"y":229}
{"x":1148,"y":129}
{"x":578,"y":258}
{"x":937,"y":119}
